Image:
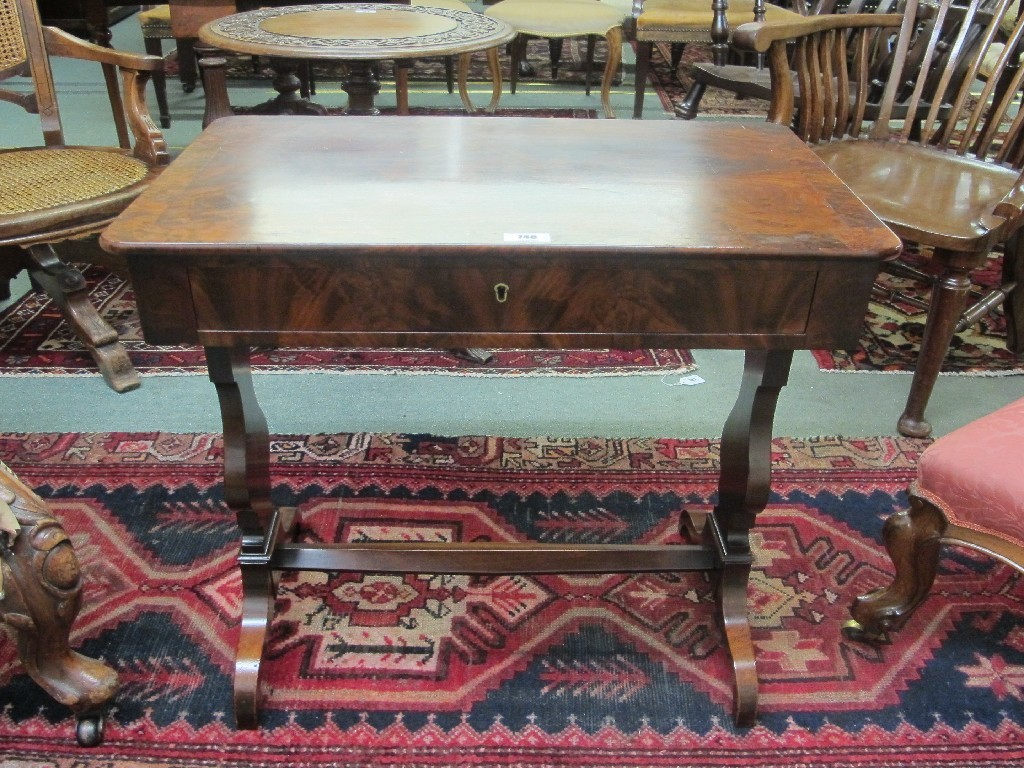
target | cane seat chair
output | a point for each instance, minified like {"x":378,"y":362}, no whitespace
{"x":969,"y":492}
{"x":56,"y":192}
{"x":679,"y":22}
{"x":949,"y":181}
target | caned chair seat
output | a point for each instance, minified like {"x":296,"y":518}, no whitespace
{"x":36,"y":184}
{"x":559,"y":19}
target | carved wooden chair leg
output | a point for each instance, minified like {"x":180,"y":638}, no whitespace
{"x":67,"y":288}
{"x":40,"y":596}
{"x":913,"y":539}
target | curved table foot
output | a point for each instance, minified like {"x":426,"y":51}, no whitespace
{"x":733,"y":603}
{"x":40,"y":596}
{"x":257,"y":609}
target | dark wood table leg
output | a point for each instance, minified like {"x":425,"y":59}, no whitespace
{"x":743,"y":491}
{"x":247,"y":492}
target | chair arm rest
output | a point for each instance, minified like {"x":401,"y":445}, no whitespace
{"x":60,"y":43}
{"x":129,"y":106}
{"x":759,"y":36}
{"x":1011,"y":207}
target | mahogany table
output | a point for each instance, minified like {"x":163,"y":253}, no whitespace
{"x":360,"y":34}
{"x":402,"y":232}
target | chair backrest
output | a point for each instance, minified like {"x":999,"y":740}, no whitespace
{"x":955,"y":67}
{"x":23,"y":55}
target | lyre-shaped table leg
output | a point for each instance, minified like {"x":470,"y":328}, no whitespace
{"x":743,"y":491}
{"x":247,"y":492}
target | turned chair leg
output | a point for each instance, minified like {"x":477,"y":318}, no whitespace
{"x":643,"y":62}
{"x":913,"y":539}
{"x":555,"y":46}
{"x":188,"y":71}
{"x":1013,"y":271}
{"x":949,"y":298}
{"x":39,"y":601}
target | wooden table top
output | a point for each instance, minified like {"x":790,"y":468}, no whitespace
{"x":356,"y":31}
{"x":248,"y":184}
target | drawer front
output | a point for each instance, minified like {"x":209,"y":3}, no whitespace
{"x":751,"y":298}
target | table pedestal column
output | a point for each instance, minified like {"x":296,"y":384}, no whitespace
{"x":362,"y":85}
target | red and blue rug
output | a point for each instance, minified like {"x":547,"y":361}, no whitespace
{"x":419,"y":670}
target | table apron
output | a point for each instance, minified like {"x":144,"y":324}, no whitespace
{"x":739,"y":304}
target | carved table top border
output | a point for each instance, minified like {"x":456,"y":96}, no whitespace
{"x":473,"y":31}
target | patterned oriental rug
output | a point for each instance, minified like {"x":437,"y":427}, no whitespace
{"x":600,"y":671}
{"x":893,"y":330}
{"x":35,"y":340}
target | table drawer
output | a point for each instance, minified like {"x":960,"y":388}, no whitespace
{"x":750,"y":298}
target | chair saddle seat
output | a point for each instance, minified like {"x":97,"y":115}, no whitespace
{"x":973,"y":474}
{"x":890,"y":177}
{"x":40,"y":184}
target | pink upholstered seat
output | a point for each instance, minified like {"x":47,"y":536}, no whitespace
{"x":975,"y":474}
{"x":970,"y":493}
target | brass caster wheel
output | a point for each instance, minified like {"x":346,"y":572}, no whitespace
{"x":89,"y":730}
{"x":853,"y":630}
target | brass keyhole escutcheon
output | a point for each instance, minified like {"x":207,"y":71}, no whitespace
{"x":501,"y":292}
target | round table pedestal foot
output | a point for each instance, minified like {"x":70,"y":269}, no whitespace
{"x":362,"y":86}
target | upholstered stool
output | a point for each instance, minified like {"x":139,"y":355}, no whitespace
{"x":560,"y":19}
{"x":686,"y":21}
{"x":156,"y":27}
{"x":970,"y":492}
